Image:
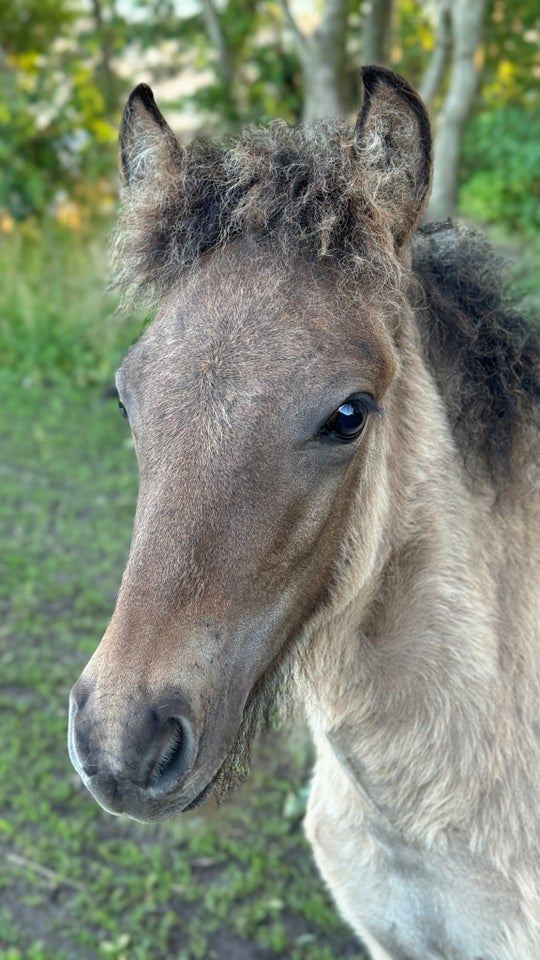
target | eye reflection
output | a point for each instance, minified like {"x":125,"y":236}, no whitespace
{"x":349,"y":420}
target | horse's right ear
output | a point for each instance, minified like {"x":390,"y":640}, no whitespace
{"x":392,"y":138}
{"x":148,"y":147}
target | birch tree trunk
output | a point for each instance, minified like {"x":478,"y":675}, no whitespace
{"x":376,"y":21}
{"x":467,"y":20}
{"x":323,"y":60}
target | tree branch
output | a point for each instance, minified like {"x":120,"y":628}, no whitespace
{"x":50,"y":875}
{"x":334,"y":18}
{"x":322,"y":56}
{"x":443,"y":44}
{"x":467,"y":17}
{"x":376,"y":32}
{"x":218,"y":39}
{"x":299,"y":37}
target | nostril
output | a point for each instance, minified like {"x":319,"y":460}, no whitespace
{"x":80,"y":693}
{"x":171,"y":750}
{"x":175,"y":754}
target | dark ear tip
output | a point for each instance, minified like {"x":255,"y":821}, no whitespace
{"x":373,"y":75}
{"x":141,"y":101}
{"x":144,"y":94}
{"x":143,"y":91}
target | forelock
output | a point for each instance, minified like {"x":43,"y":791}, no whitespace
{"x":298,"y":188}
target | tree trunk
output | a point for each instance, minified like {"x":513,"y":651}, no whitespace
{"x":323,"y":59}
{"x":467,"y":19}
{"x":443,"y":44}
{"x":376,"y":21}
{"x":218,"y":40}
{"x":107,"y":79}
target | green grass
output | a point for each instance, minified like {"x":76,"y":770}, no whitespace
{"x":235,"y":882}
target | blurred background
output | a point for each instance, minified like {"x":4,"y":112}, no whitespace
{"x":236,"y":881}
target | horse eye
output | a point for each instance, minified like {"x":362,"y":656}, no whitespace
{"x":349,"y":420}
{"x":123,"y":410}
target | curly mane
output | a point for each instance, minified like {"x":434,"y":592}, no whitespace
{"x":300,"y":187}
{"x":484,"y":355}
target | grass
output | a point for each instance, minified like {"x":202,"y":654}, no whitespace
{"x":232,"y":882}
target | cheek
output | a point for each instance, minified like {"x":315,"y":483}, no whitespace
{"x":247,"y":533}
{"x":303,"y":537}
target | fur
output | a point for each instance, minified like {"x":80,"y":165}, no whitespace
{"x":394,"y":580}
{"x":304,"y":192}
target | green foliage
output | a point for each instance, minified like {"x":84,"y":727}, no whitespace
{"x":56,"y":324}
{"x":414,"y":39}
{"x":33,"y":24}
{"x":501,"y":169}
{"x":256,"y":74}
{"x":512,"y":55}
{"x":55,"y":138}
{"x":58,"y":97}
{"x":271,"y":90}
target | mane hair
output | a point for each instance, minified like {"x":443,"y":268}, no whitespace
{"x":302,"y":190}
{"x":484,"y":355}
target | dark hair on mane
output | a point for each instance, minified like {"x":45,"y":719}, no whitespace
{"x":302,"y":189}
{"x":484,"y":355}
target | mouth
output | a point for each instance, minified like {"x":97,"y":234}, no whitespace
{"x":203,"y":796}
{"x":124,"y":798}
{"x":121,"y":796}
{"x":231,"y":772}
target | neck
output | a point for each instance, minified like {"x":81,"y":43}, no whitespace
{"x":416,"y":687}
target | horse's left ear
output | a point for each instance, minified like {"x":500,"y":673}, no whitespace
{"x":148,"y":147}
{"x":392,"y":138}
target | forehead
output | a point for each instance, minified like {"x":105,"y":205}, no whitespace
{"x":243,"y":317}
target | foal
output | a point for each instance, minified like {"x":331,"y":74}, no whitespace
{"x":336,"y":423}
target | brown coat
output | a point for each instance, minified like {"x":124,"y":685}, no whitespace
{"x":337,"y":433}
